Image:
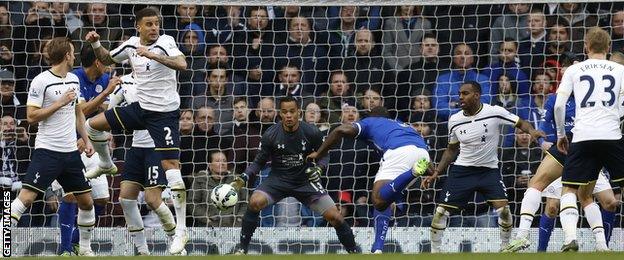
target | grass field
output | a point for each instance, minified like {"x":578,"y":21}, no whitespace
{"x":465,"y":256}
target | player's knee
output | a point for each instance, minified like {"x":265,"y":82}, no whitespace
{"x":379,"y":203}
{"x":333,"y":217}
{"x":100,"y":202}
{"x":169,"y":164}
{"x":257,"y":203}
{"x":610,"y":205}
{"x":153,"y":202}
{"x":94,"y":133}
{"x":505,"y":219}
{"x":551,"y":210}
{"x":27,"y":197}
{"x":84,"y":201}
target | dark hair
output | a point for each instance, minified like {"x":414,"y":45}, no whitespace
{"x":87,"y":56}
{"x":240,"y":99}
{"x":147,"y":12}
{"x":475,"y":85}
{"x":430,"y":35}
{"x":288,"y":99}
{"x":379,"y":111}
{"x":512,"y":40}
{"x":57,"y":48}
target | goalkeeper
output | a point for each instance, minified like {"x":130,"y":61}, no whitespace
{"x":286,"y":145}
{"x":405,"y":157}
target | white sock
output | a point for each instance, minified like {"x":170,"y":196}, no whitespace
{"x":86,"y":222}
{"x":166,"y":219}
{"x":178,"y":195}
{"x":505,"y":222}
{"x":438,"y":225}
{"x":530,"y":204}
{"x":99,"y":140}
{"x":594,"y":218}
{"x":134,"y":222}
{"x":569,"y":216}
{"x":17,"y":209}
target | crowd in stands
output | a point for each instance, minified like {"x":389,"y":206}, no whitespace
{"x":339,"y":62}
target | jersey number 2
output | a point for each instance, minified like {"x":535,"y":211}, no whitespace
{"x":609,"y":89}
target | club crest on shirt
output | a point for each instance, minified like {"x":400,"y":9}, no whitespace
{"x":98,"y":88}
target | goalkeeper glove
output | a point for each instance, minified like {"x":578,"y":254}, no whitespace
{"x":239,"y":181}
{"x":314,"y":173}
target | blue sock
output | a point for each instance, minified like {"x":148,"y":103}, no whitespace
{"x":67,"y":220}
{"x":545,"y":230}
{"x":608,"y":219}
{"x":392,"y":191}
{"x":382,"y":220}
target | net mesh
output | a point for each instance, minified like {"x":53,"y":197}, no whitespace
{"x":339,"y":61}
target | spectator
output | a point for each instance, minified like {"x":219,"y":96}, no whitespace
{"x":558,"y":41}
{"x":254,"y":48}
{"x":41,"y":19}
{"x":506,"y":96}
{"x":38,"y":60}
{"x":185,"y":15}
{"x":98,"y":19}
{"x":218,"y":95}
{"x":510,"y":25}
{"x":62,"y":13}
{"x":519,"y":163}
{"x":314,"y":116}
{"x":193,"y":45}
{"x":205,"y":213}
{"x":13,"y":48}
{"x":265,"y":113}
{"x":11,"y":106}
{"x":15,"y":154}
{"x":427,"y":131}
{"x":288,"y":85}
{"x":186,"y":140}
{"x":447,"y":89}
{"x":542,"y":86}
{"x":218,"y":57}
{"x":301,"y":48}
{"x":531,"y":51}
{"x":223,"y":24}
{"x":366,"y":67}
{"x":617,"y":31}
{"x":507,"y":63}
{"x":425,"y":72}
{"x":370,"y":100}
{"x":402,"y":37}
{"x":339,"y":93}
{"x":246,"y":135}
{"x":360,"y":16}
{"x":421,"y":107}
{"x":340,"y":35}
{"x":579,"y":19}
{"x":205,"y":138}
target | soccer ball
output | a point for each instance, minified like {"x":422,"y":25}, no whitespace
{"x":224,"y":196}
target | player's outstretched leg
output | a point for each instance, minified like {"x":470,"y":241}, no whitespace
{"x":257,"y":202}
{"x":391,"y":191}
{"x":438,"y":225}
{"x":86,"y":222}
{"x":67,"y":220}
{"x":99,"y":140}
{"x":381,"y":220}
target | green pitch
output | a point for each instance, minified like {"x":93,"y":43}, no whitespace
{"x":467,"y":256}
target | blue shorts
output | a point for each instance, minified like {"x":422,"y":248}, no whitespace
{"x":143,"y":168}
{"x":47,"y":166}
{"x":163,"y":127}
{"x":586,"y":158}
{"x":464,"y":181}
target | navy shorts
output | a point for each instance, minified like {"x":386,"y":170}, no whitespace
{"x":464,"y":181}
{"x":47,"y":166}
{"x":585,"y":159}
{"x":559,"y":156}
{"x":277,"y":189}
{"x":163,"y":127}
{"x":143,"y":168}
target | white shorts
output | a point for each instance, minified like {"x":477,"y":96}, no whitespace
{"x":397,"y":161}
{"x":99,"y":185}
{"x":553,"y":190}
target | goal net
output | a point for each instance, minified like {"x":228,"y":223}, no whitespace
{"x":340,"y":59}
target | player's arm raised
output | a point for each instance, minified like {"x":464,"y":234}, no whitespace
{"x":345,"y":130}
{"x":101,"y":53}
{"x":173,"y":62}
{"x":94,"y":104}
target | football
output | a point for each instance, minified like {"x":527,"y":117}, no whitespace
{"x":224,"y":196}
